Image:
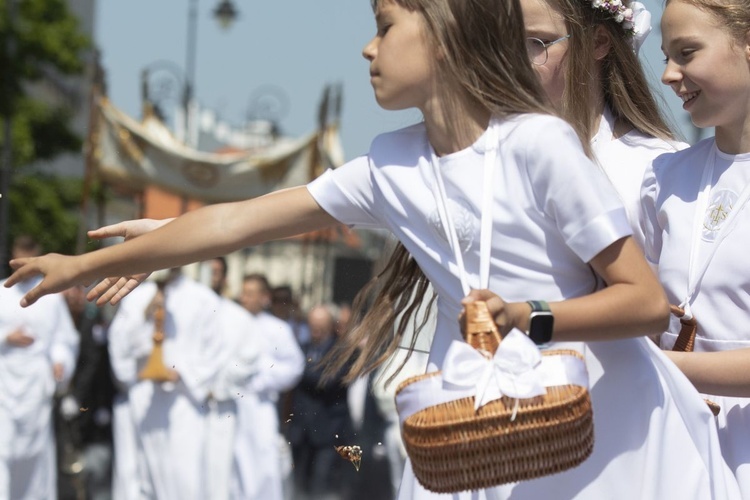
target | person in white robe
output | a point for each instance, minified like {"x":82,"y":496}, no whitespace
{"x":169,"y":419}
{"x":241,"y":348}
{"x":38,"y":350}
{"x":262,"y":457}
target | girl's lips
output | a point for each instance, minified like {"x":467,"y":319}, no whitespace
{"x":688,"y":97}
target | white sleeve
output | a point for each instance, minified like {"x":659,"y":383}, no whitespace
{"x":649,"y":219}
{"x":281,"y":363}
{"x":571,"y":189}
{"x":240,"y":354}
{"x":347,"y":193}
{"x":130,"y":338}
{"x":65,"y":339}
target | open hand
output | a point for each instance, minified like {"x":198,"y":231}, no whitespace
{"x":60,"y":273}
{"x":115,"y":288}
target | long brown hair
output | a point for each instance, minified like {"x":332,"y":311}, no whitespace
{"x":483,"y":63}
{"x":624,"y":85}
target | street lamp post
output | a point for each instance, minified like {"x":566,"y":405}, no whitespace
{"x":226,"y":13}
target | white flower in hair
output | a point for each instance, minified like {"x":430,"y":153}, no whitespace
{"x":624,"y":14}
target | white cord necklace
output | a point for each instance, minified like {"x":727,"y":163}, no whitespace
{"x":485,"y":240}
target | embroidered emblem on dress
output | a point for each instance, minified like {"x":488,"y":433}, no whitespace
{"x":465,"y":220}
{"x":718,"y":210}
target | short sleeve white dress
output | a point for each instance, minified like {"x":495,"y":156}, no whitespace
{"x":680,"y":244}
{"x":553,"y":211}
{"x":625,"y":160}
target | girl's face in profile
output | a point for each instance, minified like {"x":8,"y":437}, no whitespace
{"x":546,"y":24}
{"x":705,"y":66}
{"x":400,"y":59}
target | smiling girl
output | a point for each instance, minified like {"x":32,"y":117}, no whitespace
{"x":698,"y":222}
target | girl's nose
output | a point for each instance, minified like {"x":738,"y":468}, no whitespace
{"x":368,"y":52}
{"x":671,"y":74}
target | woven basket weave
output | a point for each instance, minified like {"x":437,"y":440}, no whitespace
{"x":454,"y":448}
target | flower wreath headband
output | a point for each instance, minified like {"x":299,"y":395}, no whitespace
{"x":633,"y":16}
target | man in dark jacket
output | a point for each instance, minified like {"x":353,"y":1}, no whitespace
{"x":320,"y":417}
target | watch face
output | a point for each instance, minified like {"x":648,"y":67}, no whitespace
{"x":540,"y":327}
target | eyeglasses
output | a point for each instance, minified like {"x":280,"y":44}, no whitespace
{"x":537,"y":49}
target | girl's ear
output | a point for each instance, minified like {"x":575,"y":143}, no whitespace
{"x":747,"y":46}
{"x":602,"y":43}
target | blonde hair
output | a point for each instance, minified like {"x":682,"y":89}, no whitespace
{"x":733,"y":15}
{"x":483,"y":63}
{"x":622,"y":80}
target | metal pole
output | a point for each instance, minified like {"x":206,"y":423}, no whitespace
{"x":6,"y":169}
{"x":187,"y":96}
{"x":192,"y":36}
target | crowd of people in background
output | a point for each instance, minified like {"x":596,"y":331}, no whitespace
{"x":239,"y":412}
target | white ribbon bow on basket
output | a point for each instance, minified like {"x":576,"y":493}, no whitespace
{"x":511,"y":372}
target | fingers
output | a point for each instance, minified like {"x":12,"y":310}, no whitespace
{"x":106,"y":289}
{"x":114,"y":289}
{"x":129,"y":286}
{"x":23,"y":270}
{"x":35,"y":294}
{"x":475,"y":295}
{"x":111,"y":231}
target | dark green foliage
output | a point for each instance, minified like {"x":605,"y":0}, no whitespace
{"x":45,"y":43}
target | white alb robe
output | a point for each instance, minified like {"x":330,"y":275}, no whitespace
{"x":27,"y":386}
{"x":169,"y":419}
{"x":259,"y":464}
{"x":241,"y":349}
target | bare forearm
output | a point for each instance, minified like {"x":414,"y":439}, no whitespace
{"x":208,"y":232}
{"x":633,"y":304}
{"x":725,"y":373}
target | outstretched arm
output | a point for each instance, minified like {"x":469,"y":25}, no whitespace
{"x":725,"y":373}
{"x":199,"y":235}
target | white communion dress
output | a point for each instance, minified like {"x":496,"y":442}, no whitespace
{"x":697,"y":231}
{"x":553,"y":210}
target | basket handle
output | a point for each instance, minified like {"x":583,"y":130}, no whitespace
{"x":686,"y":343}
{"x":686,"y":338}
{"x":479,"y":328}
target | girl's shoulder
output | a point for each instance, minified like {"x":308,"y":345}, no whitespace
{"x":637,"y":139}
{"x":678,"y":162}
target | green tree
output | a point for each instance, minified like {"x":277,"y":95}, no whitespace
{"x":43,"y":39}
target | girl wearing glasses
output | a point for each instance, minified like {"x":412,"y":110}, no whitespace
{"x":585,"y":53}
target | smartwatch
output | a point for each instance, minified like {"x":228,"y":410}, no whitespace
{"x":541,"y":322}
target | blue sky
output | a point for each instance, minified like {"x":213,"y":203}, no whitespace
{"x":294,"y":47}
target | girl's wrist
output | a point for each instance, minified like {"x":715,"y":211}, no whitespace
{"x":518,"y":313}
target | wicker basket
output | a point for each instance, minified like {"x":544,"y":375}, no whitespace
{"x":454,"y":448}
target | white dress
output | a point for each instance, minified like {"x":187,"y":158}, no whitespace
{"x":553,"y":211}
{"x":27,"y":386}
{"x":625,"y":160}
{"x":721,"y":304}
